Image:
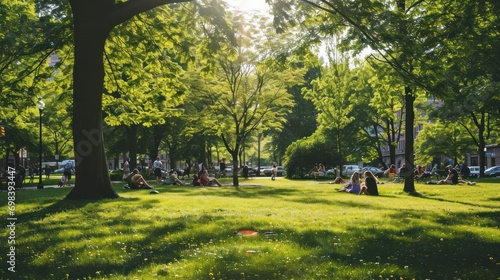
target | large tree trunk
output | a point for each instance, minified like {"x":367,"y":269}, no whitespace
{"x":92,"y":178}
{"x":409,"y":185}
{"x":93,"y":20}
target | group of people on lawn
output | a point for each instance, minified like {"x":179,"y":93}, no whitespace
{"x":419,"y":172}
{"x":354,"y":185}
{"x":369,"y":187}
{"x":451,"y":179}
{"x":136,"y":181}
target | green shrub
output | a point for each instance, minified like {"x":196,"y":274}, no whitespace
{"x":301,"y":156}
{"x":116,"y":175}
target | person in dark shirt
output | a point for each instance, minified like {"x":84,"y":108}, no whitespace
{"x":452,"y":178}
{"x":370,"y":183}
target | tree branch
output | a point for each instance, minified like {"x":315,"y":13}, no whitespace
{"x":126,"y":10}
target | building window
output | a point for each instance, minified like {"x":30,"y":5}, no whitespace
{"x":474,"y":161}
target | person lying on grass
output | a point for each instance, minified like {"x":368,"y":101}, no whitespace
{"x":136,"y":181}
{"x":207,"y":181}
{"x":338,"y":180}
{"x":354,"y":185}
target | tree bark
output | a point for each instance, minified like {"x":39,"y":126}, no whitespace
{"x":131,"y":132}
{"x":409,"y":185}
{"x":235,"y":169}
{"x":391,"y":136}
{"x":92,"y":177}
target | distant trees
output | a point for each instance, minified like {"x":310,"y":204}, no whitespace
{"x":244,"y":93}
{"x":411,"y":37}
{"x":443,"y":139}
{"x":466,"y":71}
{"x":144,"y":66}
{"x":27,"y":39}
{"x":334,"y":96}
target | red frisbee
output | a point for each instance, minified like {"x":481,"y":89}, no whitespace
{"x":246,"y":232}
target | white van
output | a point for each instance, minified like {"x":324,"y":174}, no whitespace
{"x":474,"y":171}
{"x":64,"y":162}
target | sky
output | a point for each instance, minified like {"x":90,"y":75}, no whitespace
{"x":248,"y":5}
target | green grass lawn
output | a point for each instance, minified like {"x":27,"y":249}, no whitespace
{"x":452,"y":232}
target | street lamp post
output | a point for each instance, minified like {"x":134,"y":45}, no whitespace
{"x":41,"y":106}
{"x":258,"y":154}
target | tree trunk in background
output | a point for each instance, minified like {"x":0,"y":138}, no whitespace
{"x":409,"y":186}
{"x":392,"y":141}
{"x":131,"y":132}
{"x":235,"y":169}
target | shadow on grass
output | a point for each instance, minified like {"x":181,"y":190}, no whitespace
{"x":495,"y":198}
{"x":461,"y":202}
{"x":384,"y":253}
{"x":133,"y":243}
{"x":254,"y":192}
{"x":425,"y":255}
{"x":42,"y":257}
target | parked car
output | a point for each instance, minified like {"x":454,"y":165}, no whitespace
{"x":269,"y":171}
{"x":61,"y":171}
{"x":492,"y":171}
{"x":347,"y":170}
{"x":474,"y":171}
{"x":376,"y":171}
{"x":330,"y":173}
{"x":64,"y":162}
{"x":252,"y":171}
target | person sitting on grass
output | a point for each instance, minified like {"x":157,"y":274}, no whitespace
{"x":174,"y":180}
{"x":136,"y":181}
{"x":354,"y":186}
{"x":207,"y":181}
{"x":434,"y":171}
{"x":452,"y":178}
{"x":370,"y":183}
{"x":420,"y":173}
{"x":391,"y":172}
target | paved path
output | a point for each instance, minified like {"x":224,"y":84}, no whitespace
{"x":45,"y":187}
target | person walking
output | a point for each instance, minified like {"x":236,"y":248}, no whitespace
{"x":68,"y":172}
{"x":47,"y":171}
{"x":274,"y":171}
{"x":187,"y":170}
{"x":157,"y":169}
